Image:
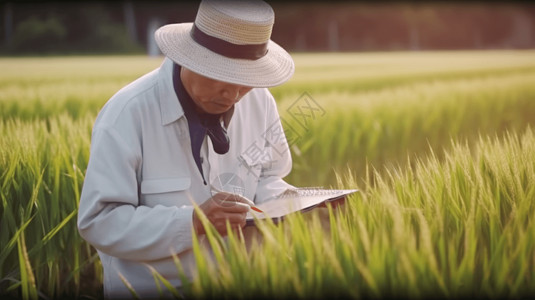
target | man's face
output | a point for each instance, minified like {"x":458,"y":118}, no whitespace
{"x":211,"y":96}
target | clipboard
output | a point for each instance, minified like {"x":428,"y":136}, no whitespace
{"x":294,"y":200}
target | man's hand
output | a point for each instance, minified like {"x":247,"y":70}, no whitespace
{"x":220,"y":208}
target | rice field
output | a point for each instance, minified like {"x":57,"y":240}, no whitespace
{"x":441,"y":145}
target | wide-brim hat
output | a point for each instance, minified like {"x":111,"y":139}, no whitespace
{"x":229,"y":41}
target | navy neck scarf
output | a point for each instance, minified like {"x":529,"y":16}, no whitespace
{"x":200,"y":124}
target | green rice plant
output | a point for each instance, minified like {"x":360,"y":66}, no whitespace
{"x":460,"y":227}
{"x":386,"y":126}
{"x":450,"y":224}
{"x":42,"y":165}
{"x":320,"y":73}
{"x":39,"y":88}
{"x":42,"y":87}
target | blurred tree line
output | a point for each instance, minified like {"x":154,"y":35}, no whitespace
{"x":33,"y":27}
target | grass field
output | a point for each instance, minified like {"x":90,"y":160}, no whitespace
{"x":440,"y":144}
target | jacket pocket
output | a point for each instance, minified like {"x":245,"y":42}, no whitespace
{"x":165,"y":191}
{"x":165,"y":185}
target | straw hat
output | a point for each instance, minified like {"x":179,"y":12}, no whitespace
{"x":230,"y":42}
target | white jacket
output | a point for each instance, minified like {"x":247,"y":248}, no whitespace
{"x":136,"y":203}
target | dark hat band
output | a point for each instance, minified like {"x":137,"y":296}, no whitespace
{"x":230,"y":50}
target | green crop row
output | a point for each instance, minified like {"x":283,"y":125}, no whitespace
{"x":442,"y":209}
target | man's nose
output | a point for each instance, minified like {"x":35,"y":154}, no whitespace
{"x":231,"y":93}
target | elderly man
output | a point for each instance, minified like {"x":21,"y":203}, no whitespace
{"x":201,"y":129}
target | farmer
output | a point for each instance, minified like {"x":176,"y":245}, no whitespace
{"x":202,"y":129}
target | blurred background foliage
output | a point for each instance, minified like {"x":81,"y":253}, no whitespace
{"x":43,"y":27}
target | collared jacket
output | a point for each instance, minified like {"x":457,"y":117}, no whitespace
{"x":141,"y":182}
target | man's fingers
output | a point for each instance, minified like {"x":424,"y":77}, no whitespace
{"x":234,"y":207}
{"x":221,"y":226}
{"x":223,"y":207}
{"x":222,"y":216}
{"x":242,"y":207}
{"x":227,"y":197}
{"x":247,"y":201}
{"x":231,"y":203}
